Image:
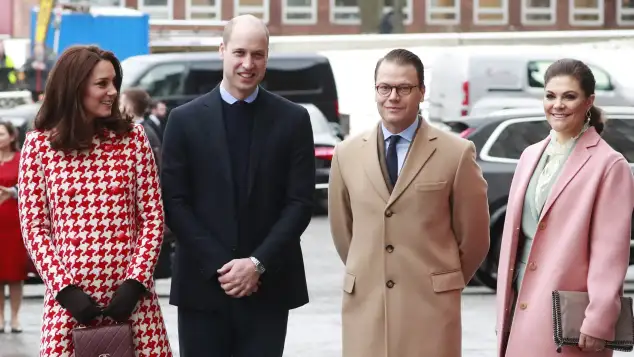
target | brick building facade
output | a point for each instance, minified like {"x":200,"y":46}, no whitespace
{"x":294,"y":17}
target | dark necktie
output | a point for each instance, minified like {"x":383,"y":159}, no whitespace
{"x":392,"y":159}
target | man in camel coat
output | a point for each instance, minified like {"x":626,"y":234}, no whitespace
{"x":409,"y":218}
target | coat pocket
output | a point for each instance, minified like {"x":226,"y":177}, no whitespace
{"x":447,"y":281}
{"x":430,"y":186}
{"x":348,"y":283}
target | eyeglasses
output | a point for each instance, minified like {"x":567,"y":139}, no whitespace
{"x":402,"y":90}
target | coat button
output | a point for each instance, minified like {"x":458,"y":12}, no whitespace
{"x":523,"y":306}
{"x":389,"y":248}
{"x":388,"y":213}
{"x":532,"y":266}
{"x":389,"y":284}
{"x":122,"y":237}
{"x":75,"y":242}
{"x":542,"y":225}
{"x":72,"y":192}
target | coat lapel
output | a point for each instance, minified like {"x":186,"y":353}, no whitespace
{"x":216,"y":135}
{"x":261,"y":129}
{"x":383,"y":160}
{"x":577,"y":159}
{"x":421,"y":149}
{"x":371,"y":164}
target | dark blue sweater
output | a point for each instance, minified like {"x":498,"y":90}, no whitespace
{"x":238,"y":119}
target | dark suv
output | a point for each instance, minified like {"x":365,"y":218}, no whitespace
{"x":501,"y":137}
{"x":177,"y":78}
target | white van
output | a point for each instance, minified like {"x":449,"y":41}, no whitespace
{"x":468,"y":77}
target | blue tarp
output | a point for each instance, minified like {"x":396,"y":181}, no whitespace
{"x":123,"y":31}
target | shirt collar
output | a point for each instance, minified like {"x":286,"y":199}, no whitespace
{"x":227,"y":97}
{"x":407,"y":134}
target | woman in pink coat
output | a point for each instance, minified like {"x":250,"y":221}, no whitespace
{"x":567,"y":226}
{"x":90,"y":208}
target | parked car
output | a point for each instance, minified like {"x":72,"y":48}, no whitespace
{"x":326,"y":139}
{"x":463,"y":76}
{"x":177,"y":78}
{"x":501,"y":137}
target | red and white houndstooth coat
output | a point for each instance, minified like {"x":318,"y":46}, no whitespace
{"x":93,"y":218}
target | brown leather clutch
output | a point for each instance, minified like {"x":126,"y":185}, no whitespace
{"x":104,"y":341}
{"x":569,"y":309}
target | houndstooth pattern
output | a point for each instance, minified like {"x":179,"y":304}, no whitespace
{"x":93,"y":218}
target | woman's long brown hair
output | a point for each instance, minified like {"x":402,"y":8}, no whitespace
{"x":62,"y":112}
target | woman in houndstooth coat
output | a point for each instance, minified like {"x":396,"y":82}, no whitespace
{"x":90,"y":208}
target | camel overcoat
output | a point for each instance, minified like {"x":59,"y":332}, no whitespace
{"x":582,"y":244}
{"x":408,"y":252}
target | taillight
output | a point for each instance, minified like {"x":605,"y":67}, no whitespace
{"x":465,"y":98}
{"x":324,"y":152}
{"x":463,"y":134}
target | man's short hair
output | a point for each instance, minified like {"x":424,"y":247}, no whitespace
{"x":402,"y":57}
{"x":228,"y":29}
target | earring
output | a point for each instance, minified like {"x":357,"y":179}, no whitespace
{"x":588,"y":115}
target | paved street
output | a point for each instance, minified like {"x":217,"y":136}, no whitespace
{"x":314,"y":330}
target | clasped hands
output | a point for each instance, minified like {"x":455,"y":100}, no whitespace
{"x":239,"y":278}
{"x":590,"y":344}
{"x":84,"y":308}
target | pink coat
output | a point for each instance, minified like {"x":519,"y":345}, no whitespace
{"x":582,"y":244}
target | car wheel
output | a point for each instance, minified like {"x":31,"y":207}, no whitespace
{"x":487,"y":274}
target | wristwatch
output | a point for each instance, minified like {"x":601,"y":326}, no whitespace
{"x":258,"y":266}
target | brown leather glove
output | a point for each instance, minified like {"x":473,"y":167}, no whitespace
{"x":80,"y":305}
{"x":124,"y":300}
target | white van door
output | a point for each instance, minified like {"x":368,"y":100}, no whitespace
{"x":446,"y":89}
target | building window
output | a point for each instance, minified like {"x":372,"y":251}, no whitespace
{"x":491,"y":12}
{"x":586,"y":12}
{"x":158,"y":9}
{"x":346,"y":12}
{"x":625,"y":12}
{"x":299,"y":12}
{"x":443,"y":12}
{"x":539,"y":12}
{"x":259,"y":8}
{"x":203,"y":9}
{"x":408,"y":9}
{"x":116,"y":3}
